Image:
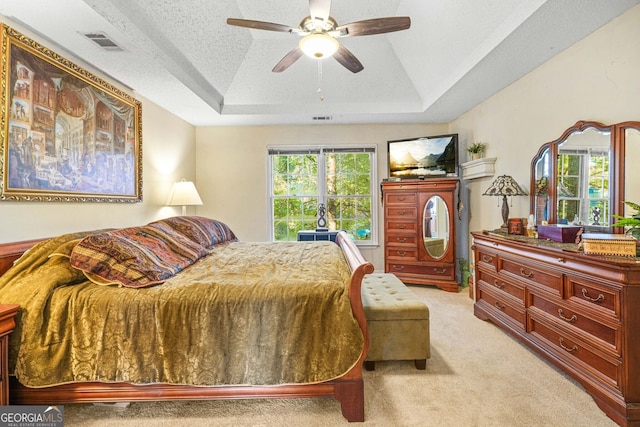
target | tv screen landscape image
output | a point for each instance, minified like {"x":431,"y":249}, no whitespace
{"x":425,"y":157}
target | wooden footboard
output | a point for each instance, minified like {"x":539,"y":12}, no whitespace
{"x":348,"y":389}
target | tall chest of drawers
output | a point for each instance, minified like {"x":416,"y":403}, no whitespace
{"x":411,"y":251}
{"x":580,"y":312}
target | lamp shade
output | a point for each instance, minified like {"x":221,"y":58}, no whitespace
{"x":504,"y":185}
{"x":184,"y":194}
{"x":318,"y":45}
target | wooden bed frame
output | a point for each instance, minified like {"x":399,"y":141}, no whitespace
{"x":348,"y":389}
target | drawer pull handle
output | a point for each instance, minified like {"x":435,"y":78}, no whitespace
{"x":570,"y":350}
{"x":487,"y":259}
{"x":402,"y":226}
{"x":402,"y":212}
{"x":499,"y":306}
{"x":567,"y":319}
{"x":498,"y":285}
{"x":402,"y":198}
{"x":529,"y":274}
{"x":435,"y":270}
{"x":585,"y":294}
{"x":401,"y":253}
{"x":402,"y":239}
{"x":562,"y":260}
{"x":398,"y":267}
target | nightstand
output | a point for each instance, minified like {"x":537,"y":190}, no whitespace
{"x":7,"y":313}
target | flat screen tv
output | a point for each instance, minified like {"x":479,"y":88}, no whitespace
{"x":424,"y":157}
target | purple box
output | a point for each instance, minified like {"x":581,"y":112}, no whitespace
{"x":559,"y":233}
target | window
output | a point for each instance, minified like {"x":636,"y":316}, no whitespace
{"x":342,"y":179}
{"x":587,"y":203}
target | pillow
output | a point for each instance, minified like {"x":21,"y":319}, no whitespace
{"x":64,"y":250}
{"x":134,"y":257}
{"x":204,"y":231}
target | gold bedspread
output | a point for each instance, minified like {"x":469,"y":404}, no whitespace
{"x":248,"y":313}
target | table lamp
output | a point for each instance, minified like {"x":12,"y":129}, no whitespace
{"x":184,"y":194}
{"x":504,"y":186}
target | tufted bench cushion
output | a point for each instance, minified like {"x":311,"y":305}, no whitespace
{"x":398,"y":322}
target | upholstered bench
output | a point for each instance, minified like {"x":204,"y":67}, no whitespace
{"x":398,"y":322}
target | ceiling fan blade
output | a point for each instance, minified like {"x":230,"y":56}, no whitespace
{"x":288,"y":60}
{"x":348,"y":60}
{"x":319,"y":9}
{"x":375,"y":26}
{"x":260,"y":25}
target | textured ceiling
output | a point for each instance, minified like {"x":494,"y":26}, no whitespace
{"x":184,"y":57}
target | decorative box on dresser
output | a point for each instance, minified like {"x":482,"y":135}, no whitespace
{"x":419,"y":231}
{"x":7,"y":313}
{"x":581,"y":312}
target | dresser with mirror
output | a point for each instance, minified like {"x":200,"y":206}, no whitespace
{"x":580,"y":312}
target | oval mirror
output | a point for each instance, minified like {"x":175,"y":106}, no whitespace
{"x":435,"y":228}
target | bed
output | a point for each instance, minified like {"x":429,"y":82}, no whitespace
{"x":216,"y":317}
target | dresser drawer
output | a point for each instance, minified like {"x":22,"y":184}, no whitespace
{"x":600,"y":334}
{"x":437,"y":272}
{"x":401,"y":227}
{"x":501,"y":304}
{"x":546,"y":280}
{"x":402,"y":198}
{"x":487,"y":259}
{"x":408,"y":212}
{"x":575,"y":351}
{"x":395,"y":239}
{"x":594,"y":297}
{"x":401,"y":253}
{"x":515,"y":290}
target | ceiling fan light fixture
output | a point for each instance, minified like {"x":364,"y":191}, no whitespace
{"x":318,"y":45}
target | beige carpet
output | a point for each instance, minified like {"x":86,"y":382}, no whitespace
{"x":477,"y":376}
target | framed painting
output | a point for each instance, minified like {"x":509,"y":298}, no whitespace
{"x":66,"y":134}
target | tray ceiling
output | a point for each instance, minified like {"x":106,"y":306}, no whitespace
{"x":183,"y":56}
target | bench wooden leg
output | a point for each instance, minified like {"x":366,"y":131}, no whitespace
{"x":420,"y":364}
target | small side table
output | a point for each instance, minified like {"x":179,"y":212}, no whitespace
{"x":7,"y":323}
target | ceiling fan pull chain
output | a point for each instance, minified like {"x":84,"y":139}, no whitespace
{"x":319,"y":91}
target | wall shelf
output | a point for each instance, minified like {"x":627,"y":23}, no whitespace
{"x":478,"y":168}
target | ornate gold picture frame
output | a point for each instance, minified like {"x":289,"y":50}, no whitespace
{"x":66,"y":134}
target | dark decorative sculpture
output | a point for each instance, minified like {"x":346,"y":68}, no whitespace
{"x":596,"y":215}
{"x":322,"y":211}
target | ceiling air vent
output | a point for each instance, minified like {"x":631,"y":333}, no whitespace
{"x":322,"y":118}
{"x":103,"y":40}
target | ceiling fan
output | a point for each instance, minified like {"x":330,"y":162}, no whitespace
{"x":319,"y":32}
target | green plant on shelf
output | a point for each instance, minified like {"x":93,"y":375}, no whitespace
{"x":477,"y":147}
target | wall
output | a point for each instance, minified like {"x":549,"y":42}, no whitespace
{"x":232,"y":168}
{"x":596,"y":79}
{"x":168,"y":155}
